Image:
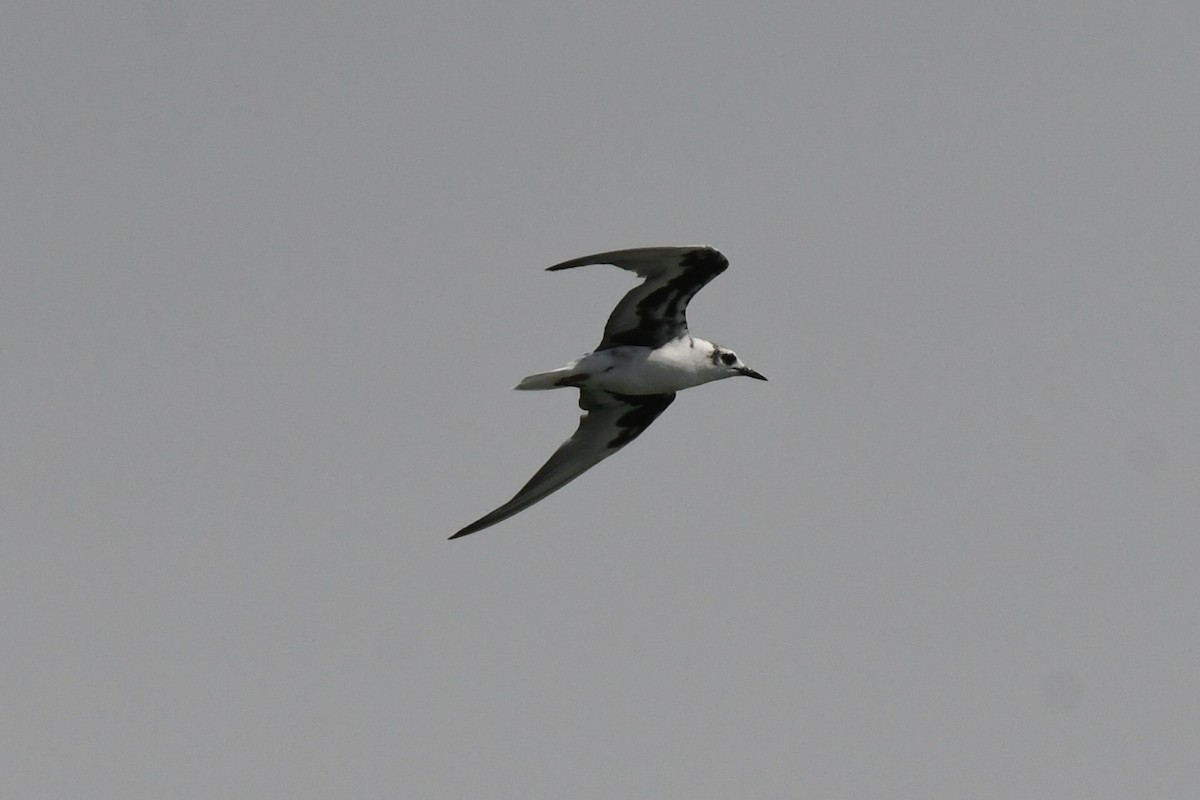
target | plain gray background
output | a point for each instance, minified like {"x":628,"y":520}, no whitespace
{"x":270,"y":270}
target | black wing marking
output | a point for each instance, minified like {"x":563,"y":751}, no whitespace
{"x":654,"y":313}
{"x":611,"y":422}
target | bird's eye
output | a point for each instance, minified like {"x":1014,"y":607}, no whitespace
{"x":728,"y":359}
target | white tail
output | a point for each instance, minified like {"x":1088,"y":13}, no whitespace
{"x":545,"y":380}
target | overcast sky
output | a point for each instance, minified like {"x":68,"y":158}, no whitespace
{"x":271,"y":269}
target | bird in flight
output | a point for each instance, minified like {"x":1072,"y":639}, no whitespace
{"x":645,"y":357}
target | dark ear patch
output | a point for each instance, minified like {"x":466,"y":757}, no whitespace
{"x":725,"y":357}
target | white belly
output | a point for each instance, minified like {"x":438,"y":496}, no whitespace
{"x":640,"y":370}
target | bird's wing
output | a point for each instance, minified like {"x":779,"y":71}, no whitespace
{"x":654,"y":313}
{"x":611,"y":422}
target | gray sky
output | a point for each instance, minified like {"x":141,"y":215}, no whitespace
{"x":271,"y":269}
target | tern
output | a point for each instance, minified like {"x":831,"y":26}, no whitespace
{"x":644,"y":358}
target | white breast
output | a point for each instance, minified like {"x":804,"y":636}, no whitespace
{"x":639,"y":370}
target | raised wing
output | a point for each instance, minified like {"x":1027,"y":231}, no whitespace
{"x":654,"y":313}
{"x":611,"y":422}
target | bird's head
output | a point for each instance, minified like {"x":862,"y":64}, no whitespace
{"x":728,"y":363}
